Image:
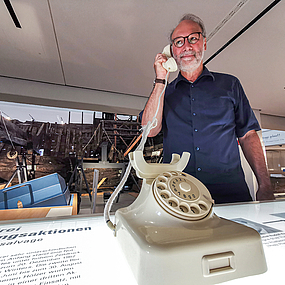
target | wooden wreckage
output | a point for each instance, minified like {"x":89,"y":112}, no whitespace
{"x":32,"y":149}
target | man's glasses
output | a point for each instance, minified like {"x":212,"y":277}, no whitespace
{"x":192,"y":39}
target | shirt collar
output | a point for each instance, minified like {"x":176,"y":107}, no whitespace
{"x":204,"y":73}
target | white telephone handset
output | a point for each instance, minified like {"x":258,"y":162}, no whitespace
{"x":170,"y":64}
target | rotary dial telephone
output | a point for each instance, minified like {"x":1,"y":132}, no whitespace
{"x":171,"y":225}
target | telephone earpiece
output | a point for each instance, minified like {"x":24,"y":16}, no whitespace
{"x":170,"y":64}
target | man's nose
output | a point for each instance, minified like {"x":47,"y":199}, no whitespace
{"x":187,"y":45}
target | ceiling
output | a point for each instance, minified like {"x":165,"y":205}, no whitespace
{"x":98,"y":55}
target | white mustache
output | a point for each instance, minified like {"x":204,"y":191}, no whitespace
{"x":185,"y":53}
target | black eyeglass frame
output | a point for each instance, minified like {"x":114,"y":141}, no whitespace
{"x":188,"y":39}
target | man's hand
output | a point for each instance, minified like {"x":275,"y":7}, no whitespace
{"x":160,"y":71}
{"x":265,"y":193}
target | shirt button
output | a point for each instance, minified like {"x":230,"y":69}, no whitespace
{"x":199,"y":169}
{"x":197,"y":148}
{"x":195,"y":130}
{"x":194,"y":114}
{"x":193,"y":99}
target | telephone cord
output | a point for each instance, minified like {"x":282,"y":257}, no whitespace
{"x":145,"y":131}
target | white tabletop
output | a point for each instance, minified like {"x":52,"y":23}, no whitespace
{"x":82,"y":250}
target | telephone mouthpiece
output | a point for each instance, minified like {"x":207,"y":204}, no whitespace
{"x":170,"y":64}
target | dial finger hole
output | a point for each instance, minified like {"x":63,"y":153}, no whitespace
{"x":162,"y":179}
{"x":165,"y":195}
{"x":172,"y":203}
{"x":194,"y":210}
{"x":184,"y":208}
{"x":167,"y":174}
{"x":161,"y":186}
{"x":203,"y":207}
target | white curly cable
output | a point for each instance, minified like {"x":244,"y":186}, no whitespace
{"x":145,"y":131}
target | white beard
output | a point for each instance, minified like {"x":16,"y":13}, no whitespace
{"x":190,"y":65}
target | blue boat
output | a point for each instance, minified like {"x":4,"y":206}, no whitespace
{"x":46,"y":191}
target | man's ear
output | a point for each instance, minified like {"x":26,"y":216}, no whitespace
{"x":205,"y":43}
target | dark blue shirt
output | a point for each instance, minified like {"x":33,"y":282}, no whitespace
{"x":205,"y":118}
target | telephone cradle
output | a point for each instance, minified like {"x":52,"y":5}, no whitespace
{"x":170,"y":234}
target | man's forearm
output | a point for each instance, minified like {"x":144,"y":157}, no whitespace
{"x":252,"y":149}
{"x":151,"y":108}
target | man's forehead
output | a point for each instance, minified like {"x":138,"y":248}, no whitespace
{"x":185,"y":28}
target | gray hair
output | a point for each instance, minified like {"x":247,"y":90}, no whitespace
{"x":193,"y":18}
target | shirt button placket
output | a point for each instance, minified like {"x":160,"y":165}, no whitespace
{"x":194,"y":114}
{"x":194,"y":120}
{"x":197,"y":148}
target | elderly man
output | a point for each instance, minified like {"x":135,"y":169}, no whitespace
{"x":204,"y":113}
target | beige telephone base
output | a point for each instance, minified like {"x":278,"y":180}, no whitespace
{"x":175,"y":238}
